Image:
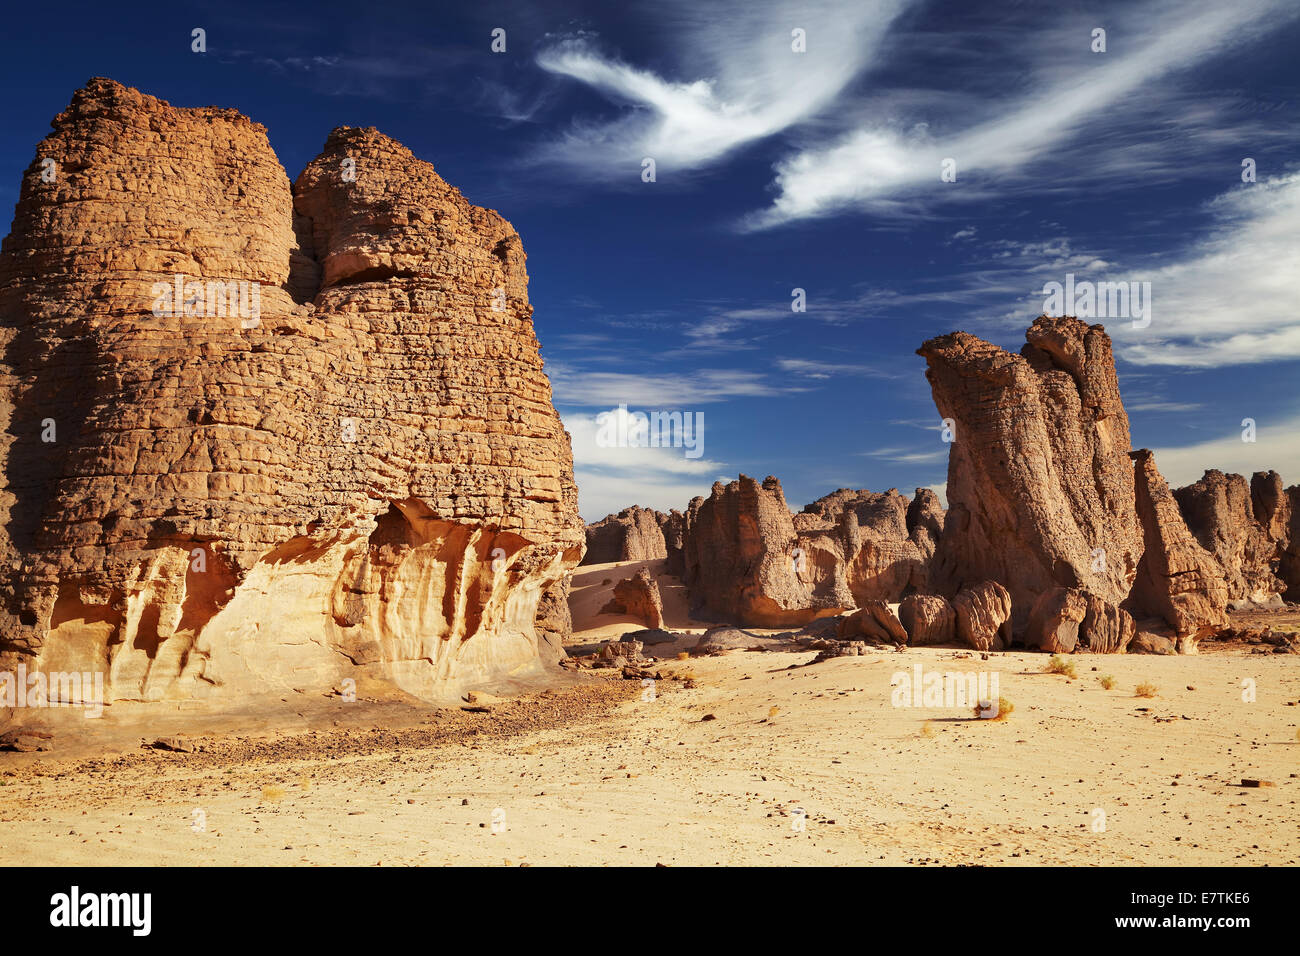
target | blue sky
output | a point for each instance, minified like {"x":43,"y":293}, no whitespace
{"x":817,"y":170}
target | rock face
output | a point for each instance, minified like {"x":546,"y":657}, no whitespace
{"x":554,"y":621}
{"x":347,"y":466}
{"x":1244,"y":526}
{"x":639,"y":597}
{"x":984,"y":616}
{"x":1055,"y":618}
{"x":928,"y":619}
{"x":1177,"y":579}
{"x":1040,"y":488}
{"x":673,"y":526}
{"x":631,"y":535}
{"x":748,"y":559}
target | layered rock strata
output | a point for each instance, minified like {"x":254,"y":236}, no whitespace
{"x":258,"y":438}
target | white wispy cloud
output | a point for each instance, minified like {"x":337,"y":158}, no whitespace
{"x":576,"y":387}
{"x":612,"y":478}
{"x":880,"y":165}
{"x":736,"y":79}
{"x":1229,"y":298}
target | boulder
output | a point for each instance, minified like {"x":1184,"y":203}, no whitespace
{"x":1147,"y":642}
{"x":1055,"y":618}
{"x":637,"y":596}
{"x":983,"y":615}
{"x":720,"y":640}
{"x":928,"y":619}
{"x":874,"y":621}
{"x":1106,"y":629}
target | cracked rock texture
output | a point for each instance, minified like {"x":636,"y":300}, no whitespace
{"x":1177,"y":580}
{"x":1040,"y":487}
{"x":365,"y":479}
{"x":1246,"y":525}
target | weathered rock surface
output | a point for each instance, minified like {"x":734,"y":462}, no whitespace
{"x":1040,"y":488}
{"x":673,"y":526}
{"x":928,"y":619}
{"x":1177,"y":579}
{"x":983,"y":615}
{"x":361,"y":476}
{"x":639,"y":597}
{"x":748,"y":559}
{"x":874,"y":621}
{"x":1106,"y":628}
{"x":1055,"y":618}
{"x":554,"y":621}
{"x":1244,"y":526}
{"x":631,"y":535}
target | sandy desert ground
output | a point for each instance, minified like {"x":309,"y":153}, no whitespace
{"x":592,"y":774}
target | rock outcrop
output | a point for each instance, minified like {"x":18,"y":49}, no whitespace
{"x":1040,"y":488}
{"x":983,"y":614}
{"x":631,"y":535}
{"x":639,"y":597}
{"x":1177,"y":579}
{"x":259,"y":438}
{"x":673,"y":526}
{"x":1244,"y":525}
{"x":747,"y":558}
{"x":928,"y":619}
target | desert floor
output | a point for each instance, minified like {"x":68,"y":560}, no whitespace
{"x":593,"y":774}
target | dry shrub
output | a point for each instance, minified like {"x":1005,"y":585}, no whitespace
{"x":1107,"y":681}
{"x":1059,"y":665}
{"x":1146,"y":689}
{"x":273,"y":794}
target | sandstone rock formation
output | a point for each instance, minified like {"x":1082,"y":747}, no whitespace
{"x":1245,"y":526}
{"x":631,"y":535}
{"x":1040,"y":488}
{"x":983,"y":614}
{"x":673,"y":526}
{"x":1055,"y":618}
{"x":349,"y":466}
{"x":873,"y":621}
{"x":554,"y":621}
{"x":1177,"y":579}
{"x":639,"y":597}
{"x":748,"y":559}
{"x":1106,"y":629}
{"x":928,"y":619}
